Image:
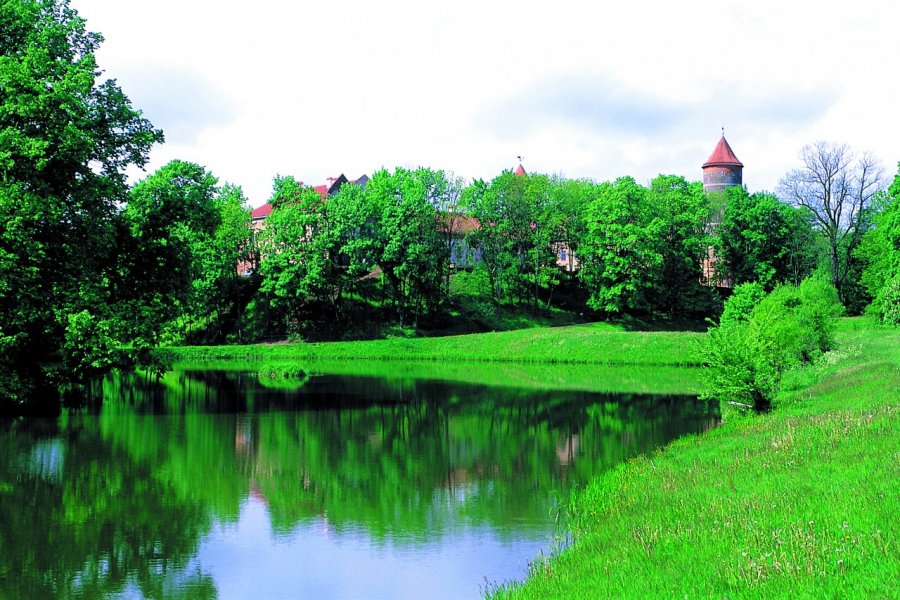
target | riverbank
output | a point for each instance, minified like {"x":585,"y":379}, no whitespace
{"x":801,"y":502}
{"x":595,"y":343}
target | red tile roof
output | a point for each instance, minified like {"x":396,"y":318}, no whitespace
{"x":722,"y":156}
{"x":520,"y":170}
{"x":261,"y":212}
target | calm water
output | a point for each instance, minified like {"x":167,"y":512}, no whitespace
{"x":212,"y":485}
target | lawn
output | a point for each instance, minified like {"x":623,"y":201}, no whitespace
{"x":801,"y":502}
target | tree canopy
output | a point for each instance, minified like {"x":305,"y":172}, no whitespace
{"x":66,"y":138}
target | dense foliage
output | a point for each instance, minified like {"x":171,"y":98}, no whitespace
{"x":762,"y":336}
{"x":95,"y":274}
{"x":391,"y":250}
{"x":880,"y":253}
{"x":764,"y":240}
{"x":66,"y":138}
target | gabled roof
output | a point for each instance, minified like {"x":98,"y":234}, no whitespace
{"x":261,"y":212}
{"x":326,"y":189}
{"x":722,"y":156}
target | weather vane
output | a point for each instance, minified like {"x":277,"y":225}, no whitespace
{"x":521,"y":158}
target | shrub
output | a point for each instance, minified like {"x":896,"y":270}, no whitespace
{"x":747,"y":354}
{"x":889,"y":302}
{"x":745,"y":298}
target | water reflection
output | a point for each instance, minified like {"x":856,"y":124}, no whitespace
{"x":197,"y":484}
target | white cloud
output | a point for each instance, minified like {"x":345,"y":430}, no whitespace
{"x":598,"y":90}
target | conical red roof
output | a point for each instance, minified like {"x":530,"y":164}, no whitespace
{"x":722,"y":156}
{"x":520,"y":170}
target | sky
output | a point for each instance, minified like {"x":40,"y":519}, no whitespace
{"x":580,"y":89}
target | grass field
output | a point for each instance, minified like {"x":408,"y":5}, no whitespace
{"x":596,"y":343}
{"x":802,"y":502}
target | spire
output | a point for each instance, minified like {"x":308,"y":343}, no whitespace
{"x":722,"y":155}
{"x":520,"y":170}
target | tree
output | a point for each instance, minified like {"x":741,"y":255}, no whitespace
{"x":680,"y":213}
{"x":66,"y":138}
{"x":880,"y":253}
{"x":619,"y":253}
{"x":296,"y":247}
{"x":353,"y":218}
{"x":219,"y":292}
{"x":172,"y":217}
{"x":765,"y":240}
{"x":445,"y":192}
{"x":482,"y":203}
{"x":761,"y":336}
{"x":837,"y":187}
{"x":412,"y":255}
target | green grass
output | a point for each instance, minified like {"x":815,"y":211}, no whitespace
{"x":536,"y":376}
{"x":802,"y":502}
{"x":596,"y":343}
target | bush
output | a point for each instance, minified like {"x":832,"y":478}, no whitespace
{"x":745,"y":298}
{"x":88,"y":348}
{"x":747,"y":354}
{"x":889,"y":302}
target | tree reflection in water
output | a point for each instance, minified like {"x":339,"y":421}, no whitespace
{"x":117,"y":498}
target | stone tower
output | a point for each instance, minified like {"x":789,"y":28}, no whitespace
{"x":722,"y":169}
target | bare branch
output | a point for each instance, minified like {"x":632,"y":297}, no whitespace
{"x":837,"y":187}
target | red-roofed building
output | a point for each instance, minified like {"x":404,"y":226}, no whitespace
{"x":260,"y":213}
{"x":330,"y":188}
{"x":722,"y":169}
{"x":456,"y":227}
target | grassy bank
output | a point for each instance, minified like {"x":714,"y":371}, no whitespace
{"x":596,"y":343}
{"x":535,"y":376}
{"x":802,"y":502}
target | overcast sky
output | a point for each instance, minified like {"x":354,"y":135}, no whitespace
{"x":583,"y":89}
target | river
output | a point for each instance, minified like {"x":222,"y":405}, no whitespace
{"x":230,"y":484}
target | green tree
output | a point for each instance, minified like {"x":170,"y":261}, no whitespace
{"x":679,"y":225}
{"x":220,"y":293}
{"x":352,"y":218}
{"x":619,"y":252}
{"x":296,"y":249}
{"x":66,"y":138}
{"x":446,"y":193}
{"x":880,"y":253}
{"x":482,"y":203}
{"x":172,"y":218}
{"x":411,"y":253}
{"x":521,"y":224}
{"x":545,"y":201}
{"x":747,"y":354}
{"x":763,"y":239}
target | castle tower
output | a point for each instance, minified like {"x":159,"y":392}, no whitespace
{"x":722,"y":169}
